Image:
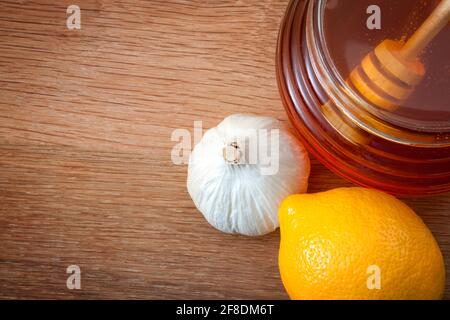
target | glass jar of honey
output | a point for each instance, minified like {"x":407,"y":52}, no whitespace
{"x":371,"y":105}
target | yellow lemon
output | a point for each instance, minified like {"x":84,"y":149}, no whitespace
{"x":356,"y":243}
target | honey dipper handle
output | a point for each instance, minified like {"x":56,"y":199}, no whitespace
{"x":427,"y":31}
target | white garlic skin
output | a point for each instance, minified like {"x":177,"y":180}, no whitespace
{"x":237,"y":198}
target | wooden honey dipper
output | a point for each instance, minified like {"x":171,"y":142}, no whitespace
{"x":389,"y":74}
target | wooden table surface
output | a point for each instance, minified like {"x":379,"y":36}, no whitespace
{"x":86,"y":176}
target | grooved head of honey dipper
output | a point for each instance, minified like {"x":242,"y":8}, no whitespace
{"x":384,"y":78}
{"x":410,"y":72}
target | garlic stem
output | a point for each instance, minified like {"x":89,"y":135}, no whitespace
{"x":232,"y":153}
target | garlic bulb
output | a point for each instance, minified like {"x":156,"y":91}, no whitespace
{"x":242,"y":169}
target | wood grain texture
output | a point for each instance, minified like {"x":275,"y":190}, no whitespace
{"x":86,"y":118}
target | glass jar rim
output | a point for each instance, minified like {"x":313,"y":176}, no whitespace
{"x":357,"y":109}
